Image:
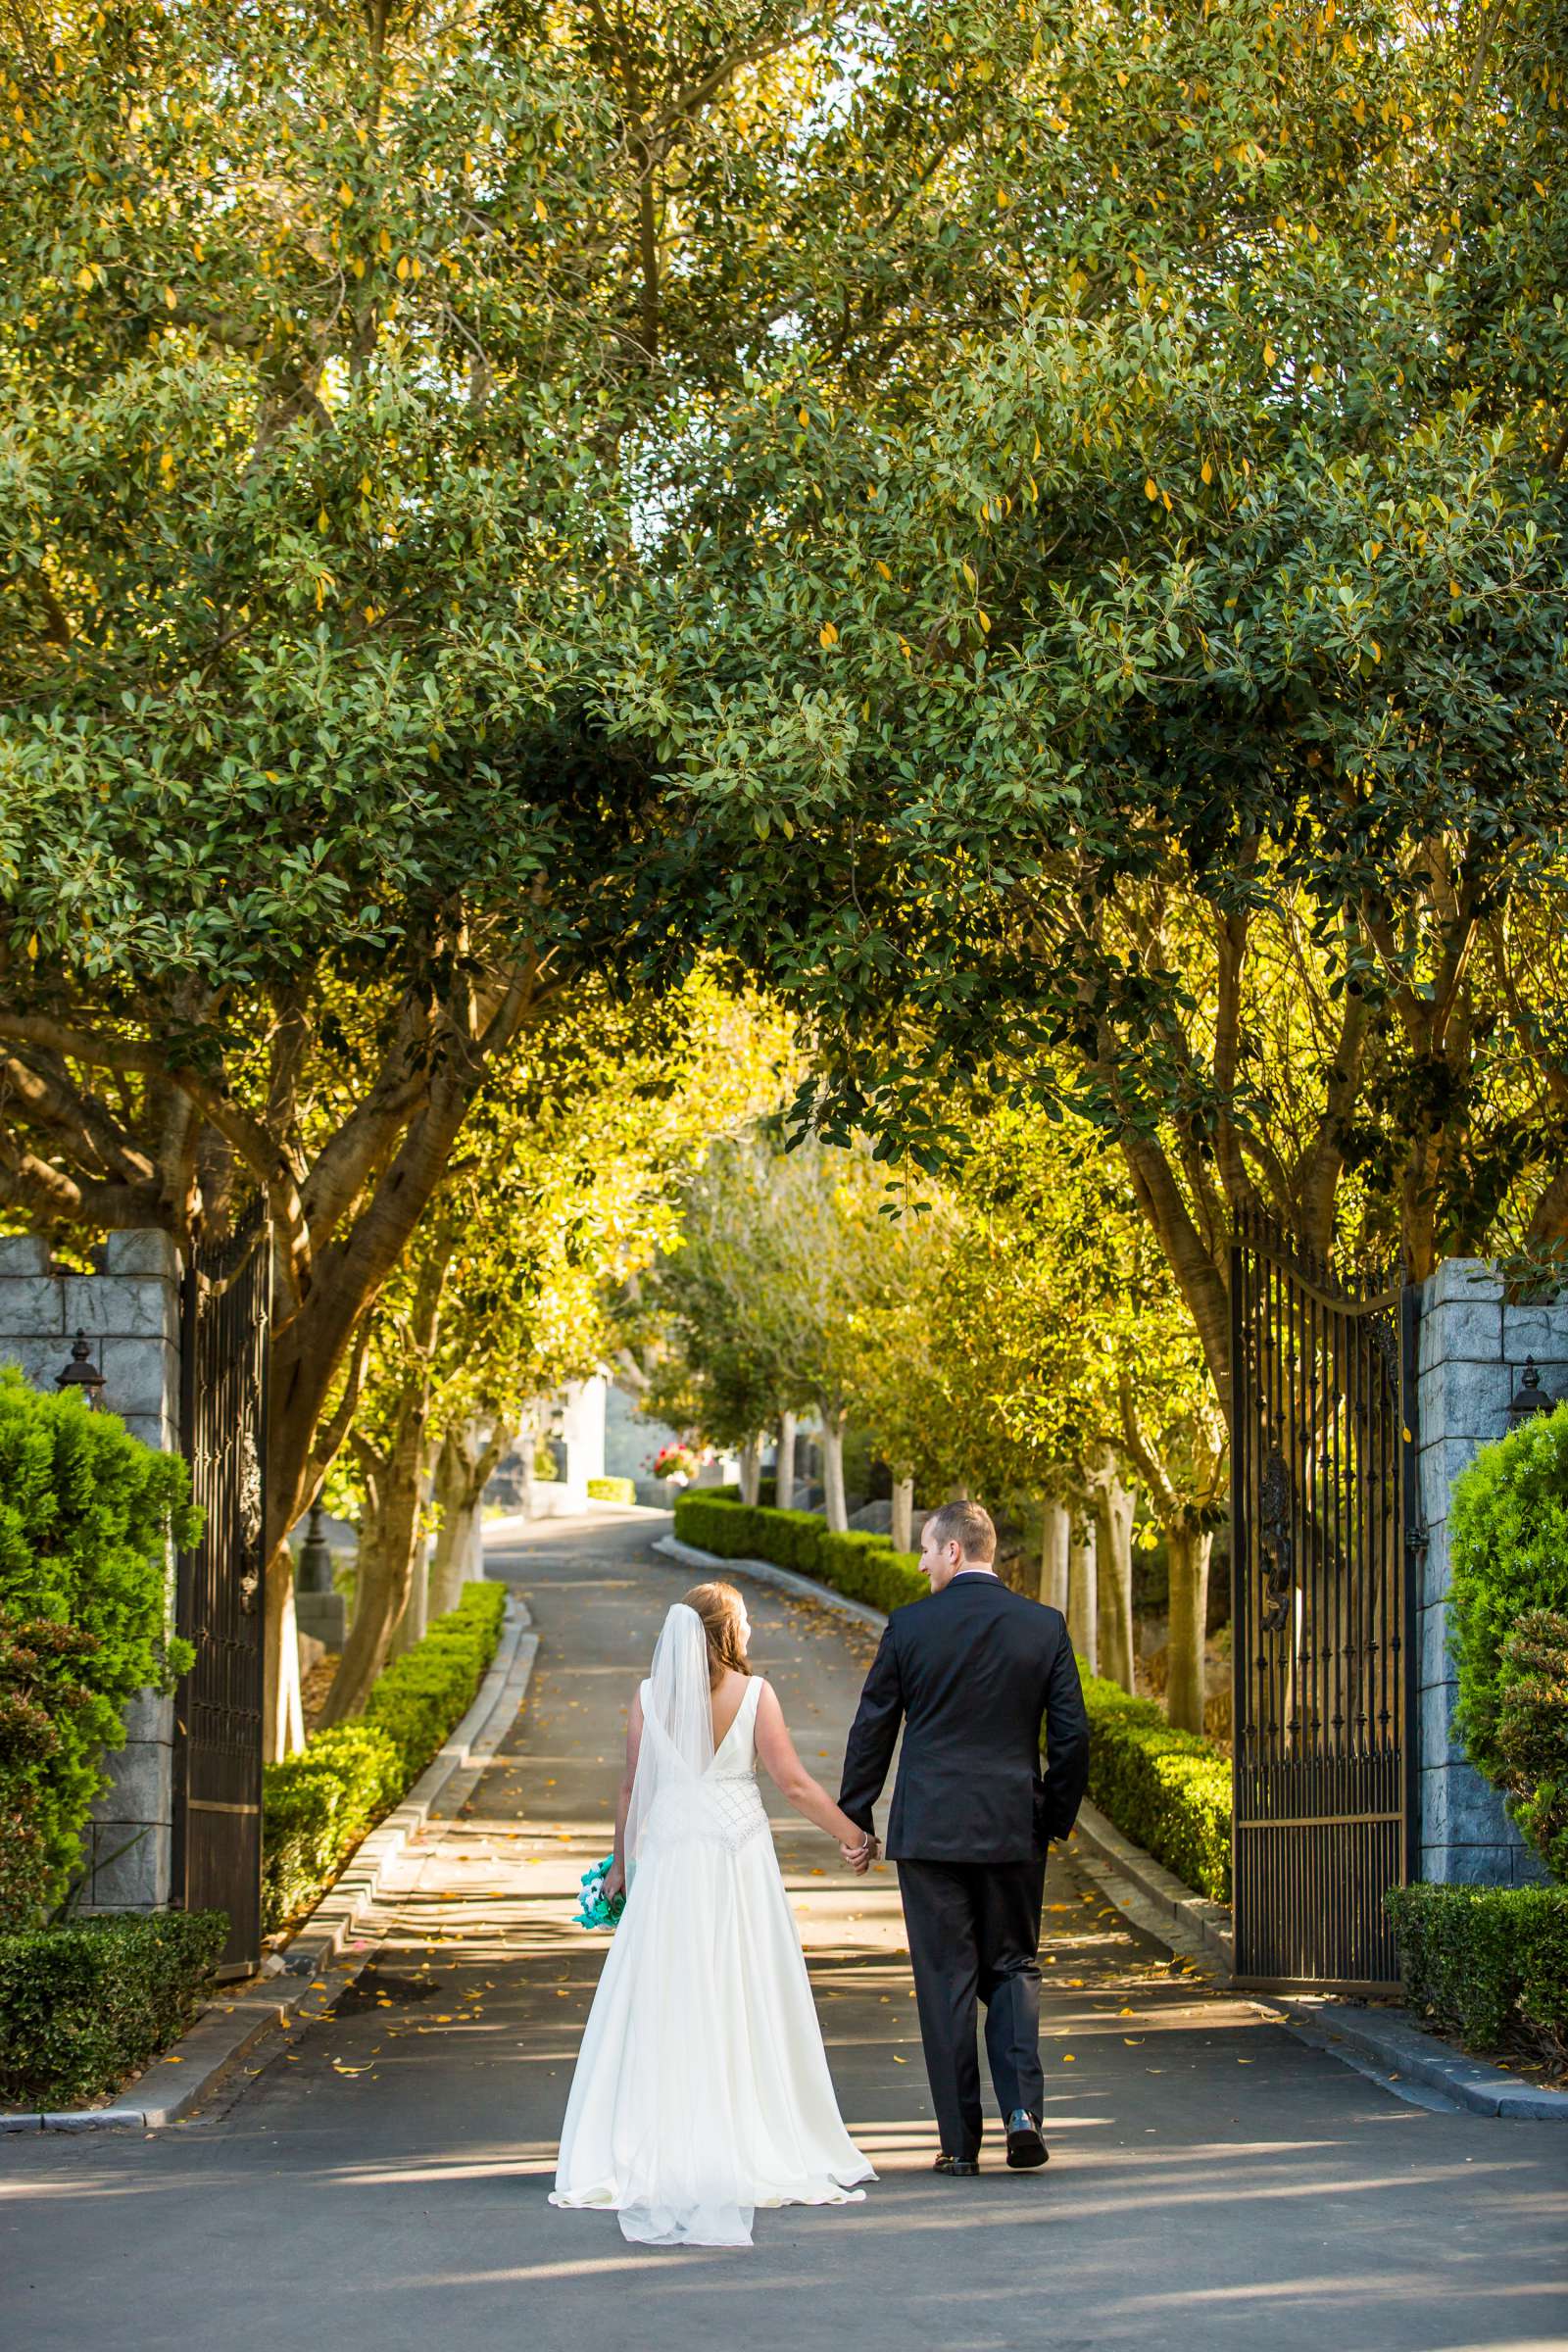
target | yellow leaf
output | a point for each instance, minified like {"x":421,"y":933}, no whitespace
{"x":403,"y":264}
{"x":539,"y":212}
{"x":171,"y":299}
{"x":1377,"y":650}
{"x":1207,"y":471}
{"x":1037,"y":446}
{"x":1269,"y":355}
{"x":1067,"y":2058}
{"x":84,"y":278}
{"x":969,"y":573}
{"x":166,"y":464}
{"x":323,"y":521}
{"x":365,"y":485}
{"x":883,"y":569}
{"x":358,"y":266}
{"x":345,"y":194}
{"x":384,"y":242}
{"x":32,"y":947}
{"x":803,"y":416}
{"x":1003,"y":200}
{"x":984,"y":623}
{"x":827,"y":635}
{"x":1150,"y":488}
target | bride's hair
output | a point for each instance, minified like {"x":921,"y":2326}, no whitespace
{"x":719,"y":1608}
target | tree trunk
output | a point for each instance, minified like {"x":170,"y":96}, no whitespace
{"x":1113,"y":1509}
{"x":784,"y":1480}
{"x":902,"y":1514}
{"x":309,"y":1349}
{"x":1188,"y":1548}
{"x":448,"y":1560}
{"x":464,"y":1468}
{"x":387,"y":1545}
{"x":415,"y":1618}
{"x":474,"y":1556}
{"x":1054,"y":1539}
{"x":833,"y":1502}
{"x":283,"y":1719}
{"x":1082,"y":1589}
{"x":751,"y":1470}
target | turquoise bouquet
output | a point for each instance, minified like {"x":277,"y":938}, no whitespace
{"x":593,"y":1911}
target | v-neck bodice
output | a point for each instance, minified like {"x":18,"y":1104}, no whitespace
{"x":735,"y":1758}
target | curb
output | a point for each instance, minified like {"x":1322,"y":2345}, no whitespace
{"x":1392,"y":2040}
{"x":325,"y":1955}
{"x":782,"y":1580}
{"x":1199,"y":1921}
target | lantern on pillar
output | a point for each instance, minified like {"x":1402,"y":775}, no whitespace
{"x":81,"y":1374}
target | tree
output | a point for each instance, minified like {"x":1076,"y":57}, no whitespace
{"x":773,"y":1299}
{"x":565,"y":1186}
{"x":1199,"y":640}
{"x":335,"y":355}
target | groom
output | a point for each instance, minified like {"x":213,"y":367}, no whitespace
{"x":971,"y":1671}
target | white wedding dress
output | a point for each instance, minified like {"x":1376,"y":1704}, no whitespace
{"x":701,"y":2088}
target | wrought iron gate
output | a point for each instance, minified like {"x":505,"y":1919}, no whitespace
{"x":1323,"y":1508}
{"x":218,"y":1743}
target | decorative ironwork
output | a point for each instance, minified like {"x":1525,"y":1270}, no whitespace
{"x":1278,"y":1551}
{"x":1323,"y":1558}
{"x":218,"y":1754}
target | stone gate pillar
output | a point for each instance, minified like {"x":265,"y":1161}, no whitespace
{"x":130,"y":1315}
{"x":1472,"y":1346}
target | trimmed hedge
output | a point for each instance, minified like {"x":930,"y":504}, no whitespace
{"x":1168,"y":1791}
{"x":84,"y":2005}
{"x":317,"y":1806}
{"x":859,"y":1566}
{"x":1489,"y":1963}
{"x":612,"y":1490}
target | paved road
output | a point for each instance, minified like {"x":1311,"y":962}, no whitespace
{"x":383,"y":2181}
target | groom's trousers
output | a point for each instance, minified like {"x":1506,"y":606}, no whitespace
{"x":974,"y":1935}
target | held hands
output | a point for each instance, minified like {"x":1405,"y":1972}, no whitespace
{"x":860,"y":1858}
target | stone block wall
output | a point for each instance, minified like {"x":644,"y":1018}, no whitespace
{"x":1472,"y":1348}
{"x":130,"y":1314}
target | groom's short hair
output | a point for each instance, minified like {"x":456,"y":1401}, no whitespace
{"x":966,"y":1525}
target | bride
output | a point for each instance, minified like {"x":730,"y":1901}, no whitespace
{"x":702,"y":2087}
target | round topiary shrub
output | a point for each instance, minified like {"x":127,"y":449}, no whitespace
{"x":1508,"y":1545}
{"x":87,"y":1518}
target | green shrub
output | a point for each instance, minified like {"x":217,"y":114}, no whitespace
{"x":317,"y":1805}
{"x":87,"y":1513}
{"x":422,"y":1693}
{"x":859,"y":1566}
{"x":84,"y":2005}
{"x":1508,"y":1544}
{"x":612,"y":1490}
{"x":1490,"y":1963}
{"x":1533,"y":1733}
{"x":1168,"y":1791}
{"x":868,"y":1568}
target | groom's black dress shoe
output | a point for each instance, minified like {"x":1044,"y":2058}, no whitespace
{"x":956,"y":2168}
{"x":1026,"y":2146}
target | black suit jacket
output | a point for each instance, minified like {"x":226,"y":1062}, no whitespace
{"x":971,"y":1670}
